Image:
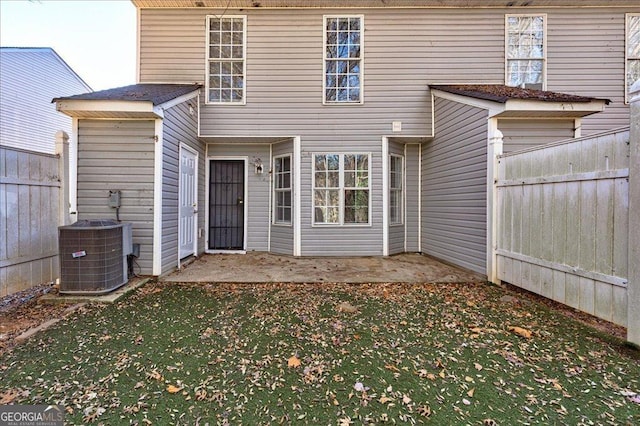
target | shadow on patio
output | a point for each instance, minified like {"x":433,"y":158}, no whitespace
{"x":255,"y":267}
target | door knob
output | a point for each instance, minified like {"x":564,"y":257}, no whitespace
{"x":240,"y":201}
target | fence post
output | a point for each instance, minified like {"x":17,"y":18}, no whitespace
{"x":633,"y":284}
{"x":62,"y":150}
{"x":493,"y":151}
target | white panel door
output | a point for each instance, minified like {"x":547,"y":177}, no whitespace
{"x":188,"y":202}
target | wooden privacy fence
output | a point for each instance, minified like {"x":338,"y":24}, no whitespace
{"x":33,"y":204}
{"x":563,"y":222}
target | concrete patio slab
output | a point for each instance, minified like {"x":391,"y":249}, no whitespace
{"x":256,"y":267}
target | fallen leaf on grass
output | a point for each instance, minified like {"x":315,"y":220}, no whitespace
{"x":293,"y":362}
{"x":347,"y":307}
{"x":424,"y":410}
{"x":523,"y":332}
{"x":173,"y":389}
{"x":471,"y":392}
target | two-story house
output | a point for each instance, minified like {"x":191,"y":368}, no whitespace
{"x":341,"y":128}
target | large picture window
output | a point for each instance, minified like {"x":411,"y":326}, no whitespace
{"x":526,"y":51}
{"x":282,"y":189}
{"x":633,"y":50}
{"x":226,"y":59}
{"x":396,"y":179}
{"x":341,"y":188}
{"x":343,"y":59}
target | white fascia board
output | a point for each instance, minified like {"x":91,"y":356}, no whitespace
{"x":580,"y":109}
{"x":107,"y":106}
{"x":494,"y":108}
{"x":178,"y":100}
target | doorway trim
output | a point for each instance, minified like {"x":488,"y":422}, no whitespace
{"x":245,"y":159}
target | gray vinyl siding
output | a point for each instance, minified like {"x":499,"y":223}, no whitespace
{"x":454,"y":184}
{"x":258,"y":188}
{"x":282,"y":235}
{"x":119,"y":155}
{"x":522,"y":134}
{"x":178,"y":127}
{"x":396,"y":232}
{"x":412,"y":195}
{"x":29,"y":79}
{"x":404,"y":50}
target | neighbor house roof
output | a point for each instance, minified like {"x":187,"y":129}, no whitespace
{"x":507,"y":101}
{"x":265,"y":4}
{"x":146,"y":100}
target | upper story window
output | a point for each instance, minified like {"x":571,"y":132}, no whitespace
{"x":226,"y":64}
{"x":633,"y":50}
{"x":343,"y":59}
{"x":341,"y":187}
{"x":526,"y":51}
{"x":282,"y":189}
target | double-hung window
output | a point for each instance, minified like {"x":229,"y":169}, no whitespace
{"x":341,"y":188}
{"x":632,"y":50}
{"x":226,"y":64}
{"x":282,"y":189}
{"x":343,"y":43}
{"x":396,"y":180}
{"x":526,"y":51}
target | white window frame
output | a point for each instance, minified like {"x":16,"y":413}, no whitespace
{"x":209,"y":60}
{"x":277,"y":190}
{"x":544,"y":45}
{"x":341,"y":189}
{"x":393,"y":189}
{"x":627,"y":58}
{"x":325,"y":59}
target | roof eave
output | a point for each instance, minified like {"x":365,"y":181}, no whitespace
{"x":111,"y":108}
{"x":521,"y":108}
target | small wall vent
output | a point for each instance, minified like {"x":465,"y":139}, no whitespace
{"x":93,"y":256}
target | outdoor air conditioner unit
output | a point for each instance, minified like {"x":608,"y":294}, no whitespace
{"x":93,"y":256}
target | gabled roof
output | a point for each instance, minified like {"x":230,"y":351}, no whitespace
{"x":507,"y":101}
{"x":266,"y":4}
{"x":145,"y":100}
{"x":501,"y":93}
{"x":150,"y":92}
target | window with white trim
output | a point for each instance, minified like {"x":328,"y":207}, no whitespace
{"x":341,"y":188}
{"x":343,"y":59}
{"x":396,"y":179}
{"x":632,"y":50}
{"x":525,"y":51}
{"x":282,"y":189}
{"x":226,"y":62}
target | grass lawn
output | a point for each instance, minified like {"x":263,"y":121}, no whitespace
{"x":299,"y":354}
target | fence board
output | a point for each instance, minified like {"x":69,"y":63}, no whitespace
{"x":564,"y":222}
{"x":29,"y":191}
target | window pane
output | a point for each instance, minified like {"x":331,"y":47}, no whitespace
{"x":349,"y":179}
{"x":633,"y":72}
{"x":321,"y":180}
{"x":214,"y":24}
{"x":633,"y":43}
{"x":333,"y":179}
{"x":321,"y":162}
{"x":333,"y":162}
{"x":525,"y":51}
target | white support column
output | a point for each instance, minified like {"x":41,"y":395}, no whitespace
{"x":633,"y":285}
{"x":385,"y":196}
{"x":297,"y":197}
{"x":157,"y":199}
{"x":62,"y":150}
{"x":493,"y":151}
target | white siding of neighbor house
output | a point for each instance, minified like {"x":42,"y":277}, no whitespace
{"x":396,"y":232}
{"x":282,"y":235}
{"x":257,"y":187}
{"x":454,"y":185}
{"x":179,"y":126}
{"x":412,"y":196}
{"x":521,"y":134}
{"x":119,"y":155}
{"x":29,"y":79}
{"x":404,"y":51}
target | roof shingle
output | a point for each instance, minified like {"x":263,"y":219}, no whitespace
{"x":145,"y":92}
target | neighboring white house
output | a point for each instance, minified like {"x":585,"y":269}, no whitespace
{"x":29,"y":78}
{"x":30,"y":181}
